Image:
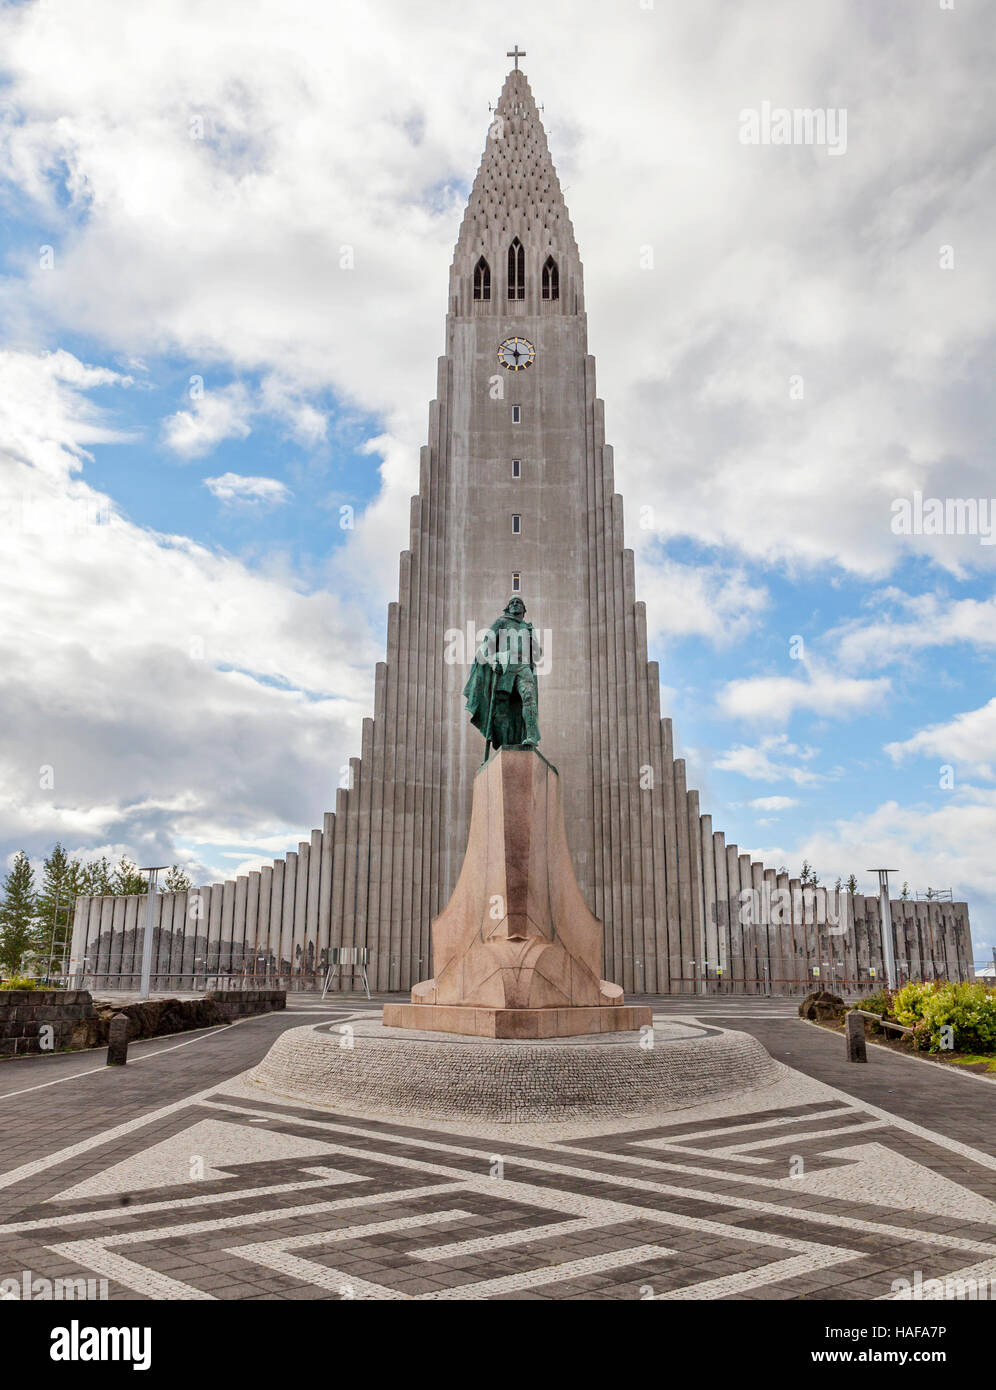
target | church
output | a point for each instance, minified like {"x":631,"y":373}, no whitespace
{"x":517,"y":497}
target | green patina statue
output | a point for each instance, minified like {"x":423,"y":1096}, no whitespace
{"x":501,"y":690}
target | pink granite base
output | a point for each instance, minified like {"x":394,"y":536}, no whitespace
{"x":518,"y":1023}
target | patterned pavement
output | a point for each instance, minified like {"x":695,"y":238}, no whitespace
{"x":175,"y":1179}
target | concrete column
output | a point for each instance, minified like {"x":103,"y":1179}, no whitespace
{"x":338,"y":874}
{"x":656,"y":801}
{"x":361,"y":932}
{"x":710,"y":933}
{"x":269,"y":947}
{"x":288,"y":942}
{"x":227,"y":916}
{"x":749,"y":934}
{"x":786,"y":945}
{"x":736,"y":963}
{"x":131,"y":955}
{"x":669,"y":803}
{"x":329,"y":929}
{"x":299,"y":931}
{"x":374,"y":919}
{"x":239,"y":922}
{"x":279,"y":940}
{"x":214,"y":928}
{"x":102,"y":953}
{"x":116,"y":945}
{"x":385,"y":945}
{"x":194,"y":935}
{"x":723,"y":935}
{"x":686,"y":938}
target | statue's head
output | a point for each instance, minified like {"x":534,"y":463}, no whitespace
{"x":515,"y":608}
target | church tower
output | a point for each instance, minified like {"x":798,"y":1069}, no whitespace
{"x":516,"y":494}
{"x":529,"y":508}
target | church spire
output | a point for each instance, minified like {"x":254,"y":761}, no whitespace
{"x":516,"y":195}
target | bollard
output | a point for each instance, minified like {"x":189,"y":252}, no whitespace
{"x":117,"y":1040}
{"x":854,"y":1032}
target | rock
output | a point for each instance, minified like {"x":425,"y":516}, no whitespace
{"x":822,"y":1007}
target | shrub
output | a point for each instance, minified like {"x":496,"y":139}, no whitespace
{"x":881,"y":1003}
{"x":968,"y":1009}
{"x":21,"y":982}
{"x":908,"y":1002}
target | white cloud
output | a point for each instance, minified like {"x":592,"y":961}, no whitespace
{"x":758,"y":764}
{"x":684,"y":600}
{"x":777,"y":698}
{"x":236,"y":487}
{"x":175,"y":694}
{"x":773,"y":803}
{"x":944,"y":845}
{"x":214,"y":416}
{"x":968,"y":741}
{"x":925,"y":621}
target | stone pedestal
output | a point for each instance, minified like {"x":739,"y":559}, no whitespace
{"x":516,"y":951}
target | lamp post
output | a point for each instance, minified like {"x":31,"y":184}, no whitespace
{"x":885,"y":914}
{"x":152,"y":871}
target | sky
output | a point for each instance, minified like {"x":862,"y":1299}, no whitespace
{"x":225,"y":234}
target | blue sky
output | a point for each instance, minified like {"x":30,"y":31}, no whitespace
{"x":196,"y":669}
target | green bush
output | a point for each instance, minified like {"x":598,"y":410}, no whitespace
{"x":881,"y":1003}
{"x":968,"y":1009}
{"x":21,"y":982}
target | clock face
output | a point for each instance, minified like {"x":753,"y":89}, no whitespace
{"x":515,"y":354}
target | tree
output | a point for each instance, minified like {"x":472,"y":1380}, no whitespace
{"x":852,"y":885}
{"x":56,"y":904}
{"x":18,"y":914}
{"x":95,"y":878}
{"x":127,"y":878}
{"x":906,"y":893}
{"x":176,"y":881}
{"x":808,"y":875}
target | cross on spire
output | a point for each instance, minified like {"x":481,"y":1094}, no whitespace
{"x":516,"y":53}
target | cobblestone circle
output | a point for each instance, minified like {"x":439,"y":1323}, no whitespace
{"x":366,"y":1067}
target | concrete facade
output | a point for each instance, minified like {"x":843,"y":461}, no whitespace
{"x":527,"y":444}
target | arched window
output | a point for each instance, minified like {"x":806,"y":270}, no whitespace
{"x":482,"y":280}
{"x":516,"y":270}
{"x":551,"y":279}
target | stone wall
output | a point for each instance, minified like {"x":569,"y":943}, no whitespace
{"x":78,"y":1021}
{"x":24,"y":1013}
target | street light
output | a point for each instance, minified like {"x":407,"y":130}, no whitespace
{"x":885,"y":914}
{"x":152,"y":871}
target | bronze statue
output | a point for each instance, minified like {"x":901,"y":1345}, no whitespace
{"x":501,"y":690}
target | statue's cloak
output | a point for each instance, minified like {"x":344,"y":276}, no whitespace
{"x":477,"y":693}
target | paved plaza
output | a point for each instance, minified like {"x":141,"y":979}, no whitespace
{"x":177,"y":1178}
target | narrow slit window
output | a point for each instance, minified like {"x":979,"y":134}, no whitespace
{"x":516,"y":468}
{"x":516,"y":523}
{"x":516,"y":414}
{"x":551,"y":279}
{"x":515,"y":581}
{"x":482,"y":280}
{"x":516,"y":270}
